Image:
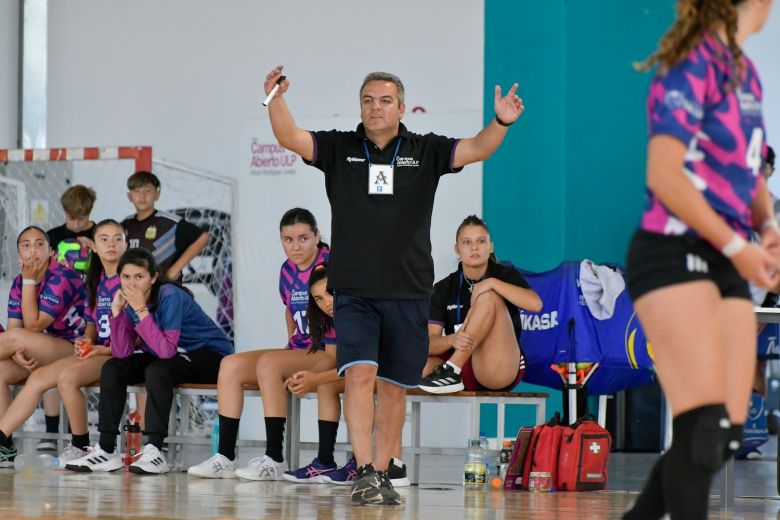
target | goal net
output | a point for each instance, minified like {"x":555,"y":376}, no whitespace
{"x":32,"y":181}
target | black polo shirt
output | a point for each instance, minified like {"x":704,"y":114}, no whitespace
{"x":381,"y":245}
{"x":452,"y":294}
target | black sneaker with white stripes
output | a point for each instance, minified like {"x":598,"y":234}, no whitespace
{"x":443,"y":380}
{"x":151,"y":462}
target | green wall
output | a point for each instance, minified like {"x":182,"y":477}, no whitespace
{"x":568,"y":182}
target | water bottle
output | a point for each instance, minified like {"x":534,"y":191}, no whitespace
{"x":132,"y":438}
{"x":36,"y":463}
{"x":475,"y":465}
{"x":485,"y":445}
{"x":503,"y":458}
{"x":215,"y":437}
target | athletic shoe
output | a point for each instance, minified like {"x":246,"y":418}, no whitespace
{"x":390,"y":496}
{"x":443,"y":380}
{"x":217,"y":466}
{"x":262,"y":468}
{"x":343,"y":476}
{"x":71,"y":453}
{"x":396,"y":472}
{"x":7,"y":456}
{"x":311,"y":474}
{"x":748,"y":454}
{"x":365,"y":488}
{"x":151,"y":462}
{"x":96,"y":460}
{"x":46,"y":445}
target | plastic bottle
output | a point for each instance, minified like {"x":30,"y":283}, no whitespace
{"x":132,"y":438}
{"x":489,"y":460}
{"x":503,"y":458}
{"x":475,"y":465}
{"x":215,"y":437}
{"x":36,"y":463}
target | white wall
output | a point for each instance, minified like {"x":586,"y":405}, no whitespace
{"x":9,"y":59}
{"x":182,"y":74}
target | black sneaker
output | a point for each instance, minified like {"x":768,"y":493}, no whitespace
{"x":396,"y":472}
{"x":390,"y":496}
{"x":7,"y":456}
{"x":443,"y":380}
{"x":366,"y":487}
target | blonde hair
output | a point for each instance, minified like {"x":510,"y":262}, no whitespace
{"x":694,"y":18}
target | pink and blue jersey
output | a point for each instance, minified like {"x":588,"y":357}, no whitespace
{"x":176,"y":325}
{"x":100,"y":315}
{"x":294,"y":290}
{"x":723,"y":128}
{"x":60,"y":295}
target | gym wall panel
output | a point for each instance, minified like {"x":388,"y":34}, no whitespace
{"x":568,"y":181}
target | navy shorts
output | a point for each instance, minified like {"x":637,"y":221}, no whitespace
{"x":390,"y":334}
{"x":656,"y":261}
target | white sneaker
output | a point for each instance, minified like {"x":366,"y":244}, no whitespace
{"x":216,"y":466}
{"x":262,"y":468}
{"x":71,"y":453}
{"x":96,"y":460}
{"x":151,"y":462}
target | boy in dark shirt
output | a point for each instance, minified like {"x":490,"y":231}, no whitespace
{"x":173,"y":241}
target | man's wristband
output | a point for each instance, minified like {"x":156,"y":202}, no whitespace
{"x":29,"y":281}
{"x":734,"y":246}
{"x":498,"y":120}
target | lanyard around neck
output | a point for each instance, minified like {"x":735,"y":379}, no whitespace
{"x":395,"y":153}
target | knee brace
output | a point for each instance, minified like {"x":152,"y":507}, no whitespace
{"x":734,"y":441}
{"x":703,"y":433}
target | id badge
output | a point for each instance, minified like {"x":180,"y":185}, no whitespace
{"x":457,"y":327}
{"x":380,"y":179}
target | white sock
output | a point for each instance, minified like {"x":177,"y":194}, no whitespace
{"x":455,"y":367}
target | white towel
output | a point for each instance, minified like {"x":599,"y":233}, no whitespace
{"x":601,"y":286}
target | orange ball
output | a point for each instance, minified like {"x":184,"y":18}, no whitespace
{"x":496,"y":482}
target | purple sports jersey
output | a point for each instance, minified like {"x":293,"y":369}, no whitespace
{"x":294,"y":290}
{"x":99,"y":316}
{"x":61,"y":295}
{"x":722,"y":127}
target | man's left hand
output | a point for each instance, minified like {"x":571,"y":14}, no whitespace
{"x":509,"y":107}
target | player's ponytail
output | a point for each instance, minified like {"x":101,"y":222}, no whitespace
{"x":302,"y":216}
{"x":694,"y":18}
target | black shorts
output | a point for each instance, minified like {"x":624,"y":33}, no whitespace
{"x":656,"y":261}
{"x":390,"y":334}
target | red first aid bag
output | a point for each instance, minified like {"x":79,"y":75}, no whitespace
{"x":543,"y":449}
{"x":583,"y":457}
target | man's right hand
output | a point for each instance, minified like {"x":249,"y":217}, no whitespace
{"x":271,"y":79}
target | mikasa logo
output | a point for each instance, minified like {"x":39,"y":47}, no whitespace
{"x":544,"y":321}
{"x":695,"y":264}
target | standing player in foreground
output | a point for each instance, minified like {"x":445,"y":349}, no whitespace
{"x":689,"y":261}
{"x":381,"y":181}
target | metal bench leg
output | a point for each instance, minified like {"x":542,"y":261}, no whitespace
{"x":500,"y":423}
{"x":727,"y":485}
{"x":293,"y":441}
{"x":415,"y":424}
